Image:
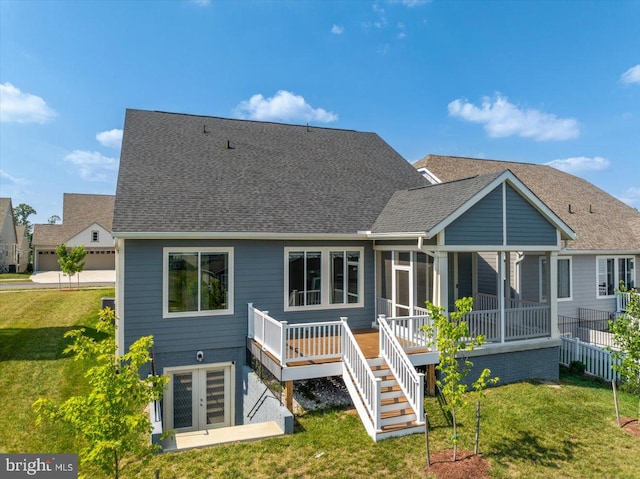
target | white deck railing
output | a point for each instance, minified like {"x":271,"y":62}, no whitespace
{"x":527,"y":323}
{"x":410,"y":331}
{"x":411,"y":381}
{"x":484,"y":322}
{"x":362,"y":376}
{"x":295,"y":342}
{"x":385,"y":306}
{"x":483,"y":301}
{"x":622,"y":300}
{"x":313,"y":341}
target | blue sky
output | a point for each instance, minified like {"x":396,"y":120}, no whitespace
{"x":536,"y":82}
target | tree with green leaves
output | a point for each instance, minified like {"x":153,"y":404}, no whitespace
{"x":110,"y":419}
{"x":626,"y":337}
{"x":53,"y":219}
{"x":451,"y":338}
{"x":71,"y":260}
{"x":21,"y":215}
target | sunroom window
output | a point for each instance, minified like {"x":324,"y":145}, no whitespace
{"x":198,"y":282}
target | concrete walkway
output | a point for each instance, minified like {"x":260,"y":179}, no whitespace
{"x":56,"y":277}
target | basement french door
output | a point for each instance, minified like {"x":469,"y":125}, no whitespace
{"x":199,"y":398}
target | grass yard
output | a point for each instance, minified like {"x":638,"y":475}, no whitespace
{"x":15,"y":277}
{"x":530,"y":430}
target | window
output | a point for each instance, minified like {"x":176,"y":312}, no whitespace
{"x":95,"y":236}
{"x":564,"y":279}
{"x":320,"y":278}
{"x":610,"y":271}
{"x":198,"y":282}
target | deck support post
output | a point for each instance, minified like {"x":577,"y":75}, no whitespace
{"x":431,"y":379}
{"x":288,"y":393}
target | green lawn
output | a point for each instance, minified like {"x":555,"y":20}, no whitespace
{"x":15,"y":277}
{"x":529,"y":429}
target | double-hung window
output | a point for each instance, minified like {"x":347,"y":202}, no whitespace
{"x":611,"y":271}
{"x":318,"y":278}
{"x":197,"y":281}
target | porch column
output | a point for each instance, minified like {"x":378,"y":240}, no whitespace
{"x":501,"y":294}
{"x":552,"y":293}
{"x":441,"y":280}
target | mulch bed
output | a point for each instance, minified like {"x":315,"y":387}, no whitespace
{"x":466,"y":466}
{"x":630,"y":425}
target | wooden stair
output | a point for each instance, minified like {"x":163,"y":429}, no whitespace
{"x":397,"y":416}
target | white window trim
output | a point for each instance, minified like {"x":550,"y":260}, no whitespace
{"x":616,"y":273}
{"x":543,"y":259}
{"x":570,"y":298}
{"x":165,"y":281}
{"x":325,"y":273}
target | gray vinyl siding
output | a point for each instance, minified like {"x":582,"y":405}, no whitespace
{"x":258,"y":278}
{"x":583,"y":275}
{"x":487,"y":273}
{"x":480,"y":225}
{"x":525,"y":225}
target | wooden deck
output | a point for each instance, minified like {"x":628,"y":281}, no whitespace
{"x":367,"y":339}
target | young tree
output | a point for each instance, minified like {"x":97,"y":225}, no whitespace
{"x":626,"y":336}
{"x":21,"y":215}
{"x":110,"y":418}
{"x":451,"y":338}
{"x":71,"y":261}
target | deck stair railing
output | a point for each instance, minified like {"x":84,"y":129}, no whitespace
{"x":410,"y":381}
{"x":361,"y":375}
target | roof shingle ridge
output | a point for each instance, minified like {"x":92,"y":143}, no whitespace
{"x":249,"y":120}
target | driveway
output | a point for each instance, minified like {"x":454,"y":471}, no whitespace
{"x":55,"y":279}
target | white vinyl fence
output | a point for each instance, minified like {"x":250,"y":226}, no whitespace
{"x":598,"y":361}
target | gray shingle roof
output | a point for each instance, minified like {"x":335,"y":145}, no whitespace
{"x":79,"y":211}
{"x":177,"y":175}
{"x":600,"y":221}
{"x":421,"y":209}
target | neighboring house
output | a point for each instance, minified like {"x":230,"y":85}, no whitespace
{"x":590,"y":268}
{"x":24,"y":248}
{"x":8,"y":237}
{"x":240,"y":239}
{"x":86,"y":221}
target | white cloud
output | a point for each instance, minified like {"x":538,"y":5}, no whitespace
{"x":410,"y":3}
{"x":283,"y":106}
{"x":19,"y":107}
{"x":92,"y":166}
{"x":502,"y":119}
{"x":11,"y":179}
{"x":631,"y":196}
{"x":580,"y":164}
{"x":110,"y":138}
{"x":632,"y":75}
{"x":337,"y":29}
{"x":203,"y":3}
